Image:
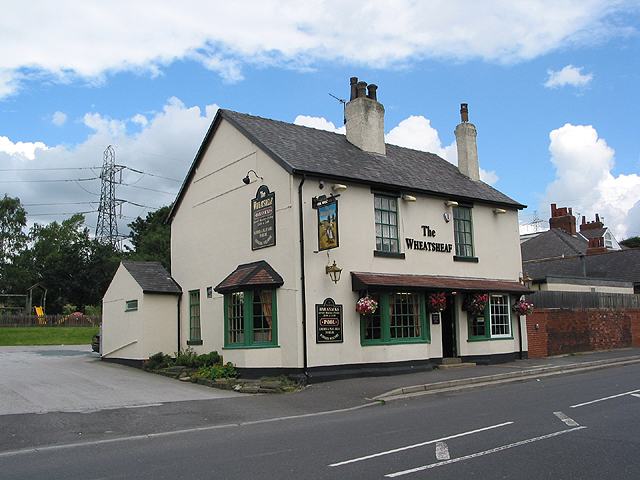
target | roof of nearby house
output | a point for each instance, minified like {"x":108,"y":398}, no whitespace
{"x":303,"y":150}
{"x":554,"y":243}
{"x":594,"y":233}
{"x":250,"y":276}
{"x":615,"y":265}
{"x":364,"y":281}
{"x":152,"y":277}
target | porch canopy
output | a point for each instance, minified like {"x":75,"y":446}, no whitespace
{"x":250,"y":276}
{"x":378,"y":281}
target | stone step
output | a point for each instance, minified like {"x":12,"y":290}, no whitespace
{"x":456,"y":365}
{"x":451,"y":360}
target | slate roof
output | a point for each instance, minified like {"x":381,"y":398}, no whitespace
{"x":613,"y":265}
{"x":554,"y":243}
{"x":364,"y":281}
{"x":303,"y":150}
{"x":152,"y":277}
{"x":594,"y":233}
{"x":250,"y":276}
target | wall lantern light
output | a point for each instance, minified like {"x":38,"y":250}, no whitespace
{"x":339,"y":187}
{"x":499,"y":211}
{"x":247,"y":180}
{"x":409,"y":198}
{"x":527,"y":281}
{"x":334,"y":272}
{"x":451,"y":203}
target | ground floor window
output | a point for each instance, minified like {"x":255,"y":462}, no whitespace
{"x":495,"y":322}
{"x":250,"y":318}
{"x":400,"y":318}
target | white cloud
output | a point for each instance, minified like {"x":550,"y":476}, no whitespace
{"x":318,"y":123}
{"x":164,"y":149}
{"x":59,"y":119}
{"x":569,"y":75}
{"x":584,"y":180}
{"x":79,"y":40}
{"x":21,"y":150}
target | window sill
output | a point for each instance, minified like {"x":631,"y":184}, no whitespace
{"x":457,"y":258}
{"x":373,"y":343}
{"x":248,"y":347}
{"x":380,"y":253}
{"x":194,"y":342}
{"x":486,"y":339}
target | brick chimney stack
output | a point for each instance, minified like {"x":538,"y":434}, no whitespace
{"x":364,"y":118}
{"x":467,"y":147}
{"x":563,"y":218}
{"x":591,"y":225}
{"x":596,"y":245}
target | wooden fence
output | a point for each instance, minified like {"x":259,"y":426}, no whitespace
{"x":72,"y":320}
{"x":551,"y":299}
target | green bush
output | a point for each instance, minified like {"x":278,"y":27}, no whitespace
{"x":209,"y":359}
{"x":186,"y":358}
{"x":216,"y":371}
{"x":157,"y":360}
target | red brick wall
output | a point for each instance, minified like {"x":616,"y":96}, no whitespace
{"x":561,"y":331}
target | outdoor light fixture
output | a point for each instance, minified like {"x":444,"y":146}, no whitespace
{"x":334,"y":272}
{"x":339,"y":187}
{"x":499,"y":211}
{"x":451,"y":203}
{"x":246,"y":179}
{"x":527,"y":281}
{"x":409,"y":198}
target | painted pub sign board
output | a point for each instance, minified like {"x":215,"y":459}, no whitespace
{"x":263,"y":219}
{"x":329,"y":322}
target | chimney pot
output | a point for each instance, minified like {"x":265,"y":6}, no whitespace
{"x":362,"y":89}
{"x":372,"y":92}
{"x":354,"y":88}
{"x":464,"y":112}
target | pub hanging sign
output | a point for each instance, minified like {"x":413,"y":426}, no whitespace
{"x":263,"y":219}
{"x":328,"y":322}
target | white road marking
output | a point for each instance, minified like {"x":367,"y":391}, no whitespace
{"x":430,"y":442}
{"x":636,"y":395}
{"x":605,"y":398}
{"x":568,"y":421}
{"x":442,"y":451}
{"x":480,"y":454}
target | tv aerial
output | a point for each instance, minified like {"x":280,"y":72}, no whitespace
{"x":343,"y":102}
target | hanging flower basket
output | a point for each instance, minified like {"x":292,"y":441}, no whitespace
{"x":436,"y":302}
{"x":523,"y":307}
{"x":475,"y":304}
{"x":366,"y":305}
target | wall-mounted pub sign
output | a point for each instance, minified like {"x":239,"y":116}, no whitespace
{"x":328,"y":322}
{"x":327,"y":221}
{"x":263,"y":219}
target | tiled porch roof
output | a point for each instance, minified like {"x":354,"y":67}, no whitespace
{"x":250,"y":276}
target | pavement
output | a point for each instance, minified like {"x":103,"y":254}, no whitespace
{"x":450,"y":380}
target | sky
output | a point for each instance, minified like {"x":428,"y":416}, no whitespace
{"x":553,"y":88}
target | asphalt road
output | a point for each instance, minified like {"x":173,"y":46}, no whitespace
{"x":582,"y":426}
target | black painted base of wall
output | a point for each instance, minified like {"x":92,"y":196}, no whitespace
{"x":495,"y":359}
{"x":125,"y":361}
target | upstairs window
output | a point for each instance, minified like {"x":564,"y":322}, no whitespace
{"x":462,"y":229}
{"x":194,"y":315}
{"x":386,"y":213}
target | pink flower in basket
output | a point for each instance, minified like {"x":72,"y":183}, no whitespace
{"x":436,"y":302}
{"x":476,"y":303}
{"x":366,"y":305}
{"x":523,"y":307}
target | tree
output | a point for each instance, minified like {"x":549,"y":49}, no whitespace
{"x":151,"y":238}
{"x":13,"y":240}
{"x":631,"y":242}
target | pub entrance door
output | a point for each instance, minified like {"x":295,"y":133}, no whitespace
{"x":448,"y":319}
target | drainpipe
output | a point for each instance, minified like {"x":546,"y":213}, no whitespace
{"x":303,"y":281}
{"x":179,"y":302}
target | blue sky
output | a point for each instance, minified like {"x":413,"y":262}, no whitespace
{"x":552,"y":87}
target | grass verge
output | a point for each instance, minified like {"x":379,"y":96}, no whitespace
{"x":46,"y":335}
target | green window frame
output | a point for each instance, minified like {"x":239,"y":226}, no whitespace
{"x":400,"y":318}
{"x":386,"y":217}
{"x":194,"y":315}
{"x":499,"y":324}
{"x":250,"y":319}
{"x":463,"y":231}
{"x":131,"y":306}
